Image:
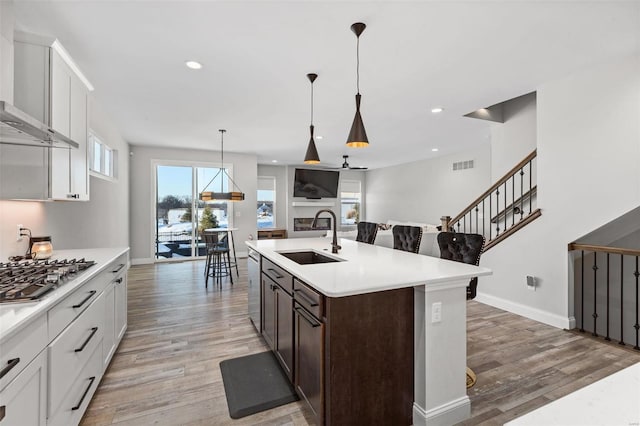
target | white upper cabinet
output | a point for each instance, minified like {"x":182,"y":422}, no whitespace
{"x":49,"y":86}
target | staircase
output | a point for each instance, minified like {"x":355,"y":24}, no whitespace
{"x":507,"y":206}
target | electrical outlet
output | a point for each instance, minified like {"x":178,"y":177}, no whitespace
{"x":436,"y":312}
{"x":19,"y":235}
{"x":531,"y":283}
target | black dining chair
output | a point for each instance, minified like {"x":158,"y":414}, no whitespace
{"x":465,"y":248}
{"x":367,"y":232}
{"x":218,"y":262}
{"x":407,"y":238}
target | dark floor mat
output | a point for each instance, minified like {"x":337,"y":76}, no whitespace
{"x":255,"y":383}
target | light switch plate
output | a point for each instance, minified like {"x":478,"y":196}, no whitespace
{"x":436,"y":312}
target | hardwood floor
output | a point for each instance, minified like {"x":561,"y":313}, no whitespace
{"x":166,"y":370}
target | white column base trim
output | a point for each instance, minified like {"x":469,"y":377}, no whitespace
{"x":526,"y":311}
{"x":447,"y":414}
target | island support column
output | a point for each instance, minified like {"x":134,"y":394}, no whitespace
{"x":440,"y":347}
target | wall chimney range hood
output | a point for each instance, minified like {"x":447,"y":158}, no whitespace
{"x":19,"y":128}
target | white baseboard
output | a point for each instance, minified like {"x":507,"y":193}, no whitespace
{"x":447,"y":414}
{"x":142,"y":261}
{"x":527,"y":311}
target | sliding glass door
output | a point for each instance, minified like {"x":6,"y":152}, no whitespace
{"x":180,"y":217}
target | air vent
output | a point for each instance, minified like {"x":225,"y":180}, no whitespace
{"x":461,"y":165}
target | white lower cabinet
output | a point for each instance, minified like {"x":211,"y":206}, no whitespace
{"x":115,"y":314}
{"x":24,"y":400}
{"x":76,"y":398}
{"x":50,"y":369}
{"x":71,"y":350}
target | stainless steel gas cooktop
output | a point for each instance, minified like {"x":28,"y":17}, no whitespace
{"x":30,"y":280}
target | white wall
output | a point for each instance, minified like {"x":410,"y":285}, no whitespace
{"x":101,"y":222}
{"x":142,"y":191}
{"x":588,"y":174}
{"x":424,"y":191}
{"x":514,"y":139}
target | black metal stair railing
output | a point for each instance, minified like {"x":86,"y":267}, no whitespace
{"x":602,"y":292}
{"x":508,"y":205}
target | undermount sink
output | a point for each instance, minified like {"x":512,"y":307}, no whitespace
{"x":308,"y":257}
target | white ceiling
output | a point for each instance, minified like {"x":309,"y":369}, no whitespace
{"x":256,"y":54}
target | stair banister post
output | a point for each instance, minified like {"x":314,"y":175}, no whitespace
{"x":444,"y":221}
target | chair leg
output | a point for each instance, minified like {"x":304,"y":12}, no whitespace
{"x":229,"y":267}
{"x":206,"y":271}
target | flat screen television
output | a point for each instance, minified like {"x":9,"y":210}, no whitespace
{"x":316,"y":184}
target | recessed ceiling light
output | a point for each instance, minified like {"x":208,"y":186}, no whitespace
{"x":437,"y":110}
{"x":434,"y":149}
{"x":193,"y":65}
{"x":274,"y":161}
{"x":318,"y":137}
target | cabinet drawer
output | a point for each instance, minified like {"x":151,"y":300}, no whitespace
{"x":310,"y":299}
{"x":19,"y":350}
{"x":76,"y":398}
{"x":71,"y":350}
{"x":73,"y":305}
{"x":277,"y":274}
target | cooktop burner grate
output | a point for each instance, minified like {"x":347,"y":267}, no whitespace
{"x":30,"y":280}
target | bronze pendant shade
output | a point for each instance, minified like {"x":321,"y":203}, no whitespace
{"x":311,"y":157}
{"x":222,"y":196}
{"x":358,"y":135}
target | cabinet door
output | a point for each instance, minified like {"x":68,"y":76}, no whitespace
{"x":60,"y":94}
{"x":23,"y":402}
{"x":120,"y":307}
{"x":309,"y":334}
{"x":268,"y":311}
{"x":60,"y":173}
{"x":284,"y":330}
{"x":109,"y":342}
{"x":79,"y":171}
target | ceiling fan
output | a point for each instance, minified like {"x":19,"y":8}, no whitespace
{"x":346,"y":165}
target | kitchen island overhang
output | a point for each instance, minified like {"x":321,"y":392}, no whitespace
{"x":439,"y":340}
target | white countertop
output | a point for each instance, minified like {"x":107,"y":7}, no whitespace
{"x":14,"y":316}
{"x":614,"y":400}
{"x":366,"y":268}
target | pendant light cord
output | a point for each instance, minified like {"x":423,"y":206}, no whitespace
{"x":358,"y":64}
{"x":312,"y":103}
{"x":222,"y":157}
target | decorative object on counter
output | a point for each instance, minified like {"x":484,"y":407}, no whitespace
{"x":358,"y":136}
{"x":38,"y":247}
{"x":42,"y":250}
{"x":311,"y":157}
{"x":334,"y":242}
{"x":222,"y":195}
{"x":255,"y":383}
{"x":30,"y":280}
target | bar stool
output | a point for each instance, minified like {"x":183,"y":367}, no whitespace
{"x":218,"y":262}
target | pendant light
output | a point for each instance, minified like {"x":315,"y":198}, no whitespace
{"x":311,"y":157}
{"x":357,"y":136}
{"x":222,"y":196}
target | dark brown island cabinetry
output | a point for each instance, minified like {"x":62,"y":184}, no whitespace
{"x":277,"y":308}
{"x":350,"y":358}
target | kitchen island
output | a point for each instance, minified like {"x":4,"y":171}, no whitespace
{"x":370,"y":335}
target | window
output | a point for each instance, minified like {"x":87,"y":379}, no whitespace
{"x":349,"y":202}
{"x":103,"y":158}
{"x":266,"y":202}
